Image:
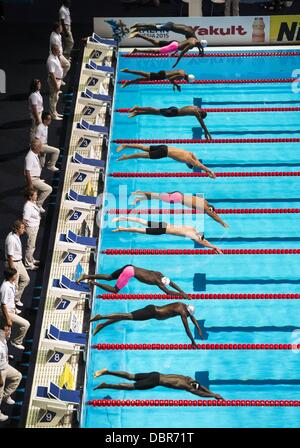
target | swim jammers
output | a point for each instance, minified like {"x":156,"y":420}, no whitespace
{"x":146,"y":380}
{"x":158,"y":151}
{"x":169,"y":111}
{"x":148,"y":312}
{"x":158,"y":76}
{"x":175,"y":198}
{"x":171,"y":48}
{"x":123,"y":275}
{"x":156,"y":227}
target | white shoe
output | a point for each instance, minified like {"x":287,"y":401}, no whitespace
{"x":60,"y":115}
{"x":53,"y":168}
{"x":9,"y":401}
{"x":18,"y":346}
{"x":42,"y":210}
{"x":18,"y":311}
{"x":63,"y":83}
{"x":36,"y":262}
{"x":19,"y":304}
{"x":3,"y":417}
{"x":56,"y":117}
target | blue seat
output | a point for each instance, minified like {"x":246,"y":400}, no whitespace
{"x":66,"y":336}
{"x":73,"y":196}
{"x":84,"y":240}
{"x":56,"y":283}
{"x":97,"y":96}
{"x":68,"y":396}
{"x":101,"y":40}
{"x":65,"y":282}
{"x":92,"y":127}
{"x":42,"y":392}
{"x":100,"y":68}
{"x":78,"y":158}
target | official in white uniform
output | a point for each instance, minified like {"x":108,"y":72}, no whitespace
{"x":13,"y":257}
{"x":41,"y":133}
{"x":55,"y":75}
{"x":56,"y":39}
{"x":35,"y":105}
{"x":10,"y":377}
{"x":65,"y":20}
{"x":33,"y":171}
{"x":19,"y":325}
{"x":32,"y":219}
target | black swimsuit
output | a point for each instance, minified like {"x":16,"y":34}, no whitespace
{"x":158,"y":151}
{"x":148,"y":312}
{"x":156,"y":228}
{"x":158,"y":76}
{"x":146,"y":380}
{"x":169,"y":111}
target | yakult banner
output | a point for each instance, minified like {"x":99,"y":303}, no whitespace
{"x":216,"y":30}
{"x":285,"y":29}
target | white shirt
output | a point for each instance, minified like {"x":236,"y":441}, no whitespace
{"x":3,"y":353}
{"x":13,"y":247}
{"x":64,"y":13}
{"x":31,"y":214}
{"x":32,"y":164}
{"x":54,"y":66}
{"x":55,"y":39}
{"x":35,"y":99}
{"x":7,"y":294}
{"x":41,"y":133}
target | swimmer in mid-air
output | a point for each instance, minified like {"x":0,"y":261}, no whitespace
{"x":186,"y":30}
{"x":186,"y":111}
{"x":172,"y":47}
{"x":170,"y":75}
{"x":162,"y":228}
{"x":154,"y":312}
{"x":154,"y":152}
{"x":144,"y":381}
{"x":124,"y":274}
{"x":176,"y":197}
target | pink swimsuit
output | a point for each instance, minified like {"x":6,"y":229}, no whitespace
{"x":172,"y":47}
{"x":175,"y":198}
{"x":125,"y":276}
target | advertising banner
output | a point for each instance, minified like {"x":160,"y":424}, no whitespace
{"x":285,"y":29}
{"x":216,"y":30}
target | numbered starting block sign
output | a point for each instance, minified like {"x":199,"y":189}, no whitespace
{"x":93,"y":81}
{"x":84,"y":142}
{"x":55,"y":357}
{"x":90,"y":111}
{"x":77,"y":216}
{"x":71,"y":257}
{"x":82,"y":177}
{"x":96,"y":54}
{"x":66,"y":304}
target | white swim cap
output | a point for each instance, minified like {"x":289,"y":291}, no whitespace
{"x":191,"y":78}
{"x":165,"y":281}
{"x":191,"y":309}
{"x":203,"y":42}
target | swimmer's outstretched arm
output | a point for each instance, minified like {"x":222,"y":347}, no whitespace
{"x":202,"y":124}
{"x":204,"y":392}
{"x":183,"y":51}
{"x":206,"y":243}
{"x":203,"y":167}
{"x":188,"y":331}
{"x":215,"y":216}
{"x":173,"y":293}
{"x":195,"y":322}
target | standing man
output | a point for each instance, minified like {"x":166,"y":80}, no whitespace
{"x":10,"y":377}
{"x":19,"y":325}
{"x":55,"y":75}
{"x":13,"y":256}
{"x":41,"y":134}
{"x":55,"y":39}
{"x":65,"y":20}
{"x":235,"y":7}
{"x":35,"y":105}
{"x":33,"y":171}
{"x":32,"y":219}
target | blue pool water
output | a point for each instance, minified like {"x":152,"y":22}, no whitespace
{"x":233,"y":374}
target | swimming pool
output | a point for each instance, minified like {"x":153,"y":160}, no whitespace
{"x":235,"y":374}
